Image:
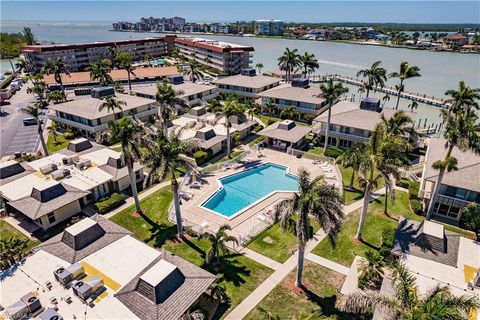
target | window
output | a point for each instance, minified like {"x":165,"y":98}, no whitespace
{"x":51,"y":217}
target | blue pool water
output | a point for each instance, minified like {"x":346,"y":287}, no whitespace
{"x":242,"y":189}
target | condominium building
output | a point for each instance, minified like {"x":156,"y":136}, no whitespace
{"x":269,"y":27}
{"x":224,"y":57}
{"x":247,"y":84}
{"x":79,"y":56}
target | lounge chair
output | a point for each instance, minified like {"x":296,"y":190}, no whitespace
{"x":186,"y":195}
{"x":262,"y":218}
{"x":196,"y":185}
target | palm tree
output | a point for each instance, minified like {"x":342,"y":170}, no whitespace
{"x":259,"y":66}
{"x":217,"y":292}
{"x":464,"y":97}
{"x":194,"y":314}
{"x":375,"y":75}
{"x":371,"y":270}
{"x":194,"y":70}
{"x":352,"y":158}
{"x":407,"y":303}
{"x":461,"y":130}
{"x":316,"y":315}
{"x":29,"y":36}
{"x":289,"y":61}
{"x":361,"y":90}
{"x":110,"y":53}
{"x":52,"y":130}
{"x":57,"y":67}
{"x":169,"y":99}
{"x":34,"y":112}
{"x":471,"y":218}
{"x":385,"y":98}
{"x":214,"y":106}
{"x":309,"y":63}
{"x":413,"y":105}
{"x":124,"y":61}
{"x":218,"y":241}
{"x":289,"y":112}
{"x":56,"y":97}
{"x":39,"y":86}
{"x":406,"y":72}
{"x":252,"y":108}
{"x":148,"y":57}
{"x":230,"y":108}
{"x":111,"y":104}
{"x":11,"y":251}
{"x":331,"y":93}
{"x":269,"y":108}
{"x":316,"y":199}
{"x":166,"y":158}
{"x":100,"y":71}
{"x":131,"y":137}
{"x":23,"y":65}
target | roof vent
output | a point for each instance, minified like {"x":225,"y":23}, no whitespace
{"x":48,"y":168}
{"x":249,"y":72}
{"x":300,"y":83}
{"x":49,"y":193}
{"x":198,"y":111}
{"x":286,"y":125}
{"x":432,"y":236}
{"x":83,"y":164}
{"x":102,"y":92}
{"x":371,"y":103}
{"x":79,"y":145}
{"x":205,"y":134}
{"x":10,"y":168}
{"x":70,"y":160}
{"x":175,"y":79}
{"x":82,"y":234}
{"x":160,"y":281}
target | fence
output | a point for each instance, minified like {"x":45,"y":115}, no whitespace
{"x":219,"y":165}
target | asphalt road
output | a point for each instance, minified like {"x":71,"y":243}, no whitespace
{"x":14,"y":136}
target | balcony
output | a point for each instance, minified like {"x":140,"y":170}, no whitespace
{"x":78,"y":125}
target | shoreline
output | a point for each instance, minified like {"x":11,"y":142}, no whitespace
{"x":354,"y":42}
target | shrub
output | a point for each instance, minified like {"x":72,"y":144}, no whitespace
{"x":257,"y":128}
{"x":108,"y":203}
{"x":404,"y":183}
{"x":308,"y":118}
{"x":69,"y":135}
{"x":416,"y":205}
{"x":413,"y":189}
{"x":333,"y":152}
{"x":201,"y":157}
{"x":270,"y":121}
{"x":387,"y":237}
{"x":192,"y":233}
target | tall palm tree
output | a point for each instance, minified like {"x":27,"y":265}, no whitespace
{"x":252,"y":108}
{"x":29,"y":36}
{"x":167,"y":157}
{"x":34,"y":112}
{"x":269,"y":108}
{"x":23,"y":65}
{"x":148,"y":57}
{"x":195,"y":70}
{"x":214,"y":106}
{"x":259,"y":66}
{"x":124,"y":61}
{"x":56,"y":97}
{"x":131,"y":136}
{"x":57,"y":67}
{"x":352,"y":158}
{"x":331,"y":93}
{"x":463,"y":98}
{"x":289,"y":112}
{"x":110,"y":53}
{"x":218,"y":241}
{"x":461,"y":131}
{"x":385,"y":98}
{"x":406,"y":72}
{"x":231,"y":108}
{"x":52,"y":130}
{"x":315,"y":199}
{"x":375,"y":75}
{"x":471,"y":218}
{"x":39,"y":87}
{"x":100,"y":71}
{"x":111,"y":104}
{"x":309,"y":63}
{"x":169,"y":99}
{"x":289,"y":61}
{"x":407,"y":302}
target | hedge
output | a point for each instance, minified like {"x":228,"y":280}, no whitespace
{"x":416,"y":205}
{"x":201,"y":156}
{"x":110,"y":202}
{"x":413,"y":189}
{"x":333,"y":152}
{"x":69,"y":135}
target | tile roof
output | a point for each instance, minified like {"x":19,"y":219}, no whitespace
{"x":256,"y":82}
{"x":293,"y":135}
{"x":287,"y":92}
{"x":88,"y":107}
{"x":186,"y":89}
{"x":183,"y":293}
{"x":468,"y":174}
{"x":61,"y":247}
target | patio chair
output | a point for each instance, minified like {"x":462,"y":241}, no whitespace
{"x":262,"y":218}
{"x":186,"y":195}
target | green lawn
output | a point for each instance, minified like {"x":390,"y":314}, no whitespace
{"x":53,"y":146}
{"x":233,"y":154}
{"x":316,"y":150}
{"x":266,"y":118}
{"x":239,"y":274}
{"x":7,"y":231}
{"x":321,"y":295}
{"x":351,"y":196}
{"x":277,"y":244}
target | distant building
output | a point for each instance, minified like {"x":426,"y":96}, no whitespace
{"x":151,"y":24}
{"x":269,"y":27}
{"x":224,"y":57}
{"x":455,"y":40}
{"x":79,"y":56}
{"x":195,"y":28}
{"x":220,"y":28}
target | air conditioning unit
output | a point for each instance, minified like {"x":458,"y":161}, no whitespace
{"x":49,"y":168}
{"x":70,"y":160}
{"x":66,"y":275}
{"x":84,"y":290}
{"x":83,"y":164}
{"x":32,"y":302}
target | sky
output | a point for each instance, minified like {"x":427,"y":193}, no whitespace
{"x":229,"y":10}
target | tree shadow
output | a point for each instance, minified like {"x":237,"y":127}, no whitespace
{"x":231,"y":270}
{"x":368,"y":244}
{"x":194,"y":247}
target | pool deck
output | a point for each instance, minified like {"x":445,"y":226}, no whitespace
{"x":253,"y":220}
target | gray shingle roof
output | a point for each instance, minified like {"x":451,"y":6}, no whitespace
{"x":468,"y":174}
{"x":278,"y":131}
{"x":255,"y":82}
{"x":12,"y":170}
{"x":118,"y":171}
{"x":59,"y":248}
{"x":195,"y":282}
{"x":287,"y":92}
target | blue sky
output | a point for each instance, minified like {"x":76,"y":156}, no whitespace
{"x":300,"y":11}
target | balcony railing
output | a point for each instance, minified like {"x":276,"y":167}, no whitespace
{"x":443,"y":199}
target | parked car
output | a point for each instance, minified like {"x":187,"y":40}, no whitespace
{"x":29,"y":121}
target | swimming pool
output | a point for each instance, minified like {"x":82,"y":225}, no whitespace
{"x":241,"y":190}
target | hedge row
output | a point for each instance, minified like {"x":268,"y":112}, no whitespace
{"x":201,"y":156}
{"x":110,"y":202}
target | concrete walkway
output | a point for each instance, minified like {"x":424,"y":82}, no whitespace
{"x":260,"y":258}
{"x":328,"y":263}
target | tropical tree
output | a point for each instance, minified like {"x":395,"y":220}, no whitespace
{"x":100,"y":71}
{"x":57,"y":67}
{"x":461,"y":130}
{"x":23,"y":65}
{"x":148,"y":57}
{"x":111,"y":104}
{"x":124,"y":61}
{"x":34,"y":112}
{"x":110,"y":53}
{"x":195,"y":70}
{"x":214,"y":106}
{"x":289,"y":61}
{"x":194,"y":314}
{"x":309,"y":63}
{"x":407,"y":302}
{"x":471,"y":218}
{"x":218,"y":241}
{"x":316,"y":315}
{"x":169,"y":99}
{"x":130,"y":134}
{"x":259,"y":66}
{"x":117,"y":86}
{"x":371,"y":270}
{"x":352,"y":158}
{"x":289,"y":112}
{"x":218,"y":292}
{"x":412,"y":106}
{"x":406,"y":72}
{"x":252,"y":108}
{"x":52,"y":130}
{"x":375,"y":75}
{"x":39,"y":87}
{"x":56,"y":97}
{"x":317,"y":199}
{"x":269,"y":108}
{"x":231,"y":108}
{"x":385,"y":98}
{"x":331,"y":93}
{"x":29,"y":36}
{"x":362,"y":89}
{"x":11,"y":251}
{"x":166,"y":158}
